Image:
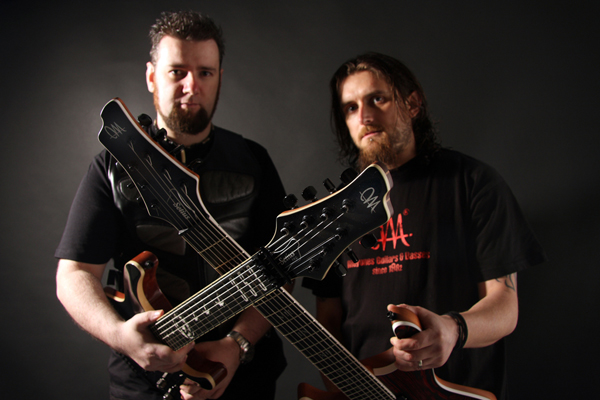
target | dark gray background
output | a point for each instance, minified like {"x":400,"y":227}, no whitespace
{"x":511,"y":83}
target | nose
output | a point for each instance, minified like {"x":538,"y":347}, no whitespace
{"x":190,"y":84}
{"x":366,"y":115}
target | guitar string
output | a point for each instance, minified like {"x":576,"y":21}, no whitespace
{"x":203,"y":225}
{"x":348,"y":373}
{"x":210,"y":231}
{"x":264,"y":302}
{"x":189,"y":304}
{"x":212,"y":312}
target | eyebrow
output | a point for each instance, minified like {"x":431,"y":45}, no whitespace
{"x":370,"y":94}
{"x":202,"y":68}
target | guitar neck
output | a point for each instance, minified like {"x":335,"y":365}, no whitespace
{"x":324,"y":351}
{"x":289,"y":317}
{"x":306,"y":244}
{"x":214,"y":305}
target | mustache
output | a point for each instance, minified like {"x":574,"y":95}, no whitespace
{"x":370,"y":128}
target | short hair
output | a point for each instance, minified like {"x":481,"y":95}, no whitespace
{"x":186,"y":25}
{"x":402,"y":81}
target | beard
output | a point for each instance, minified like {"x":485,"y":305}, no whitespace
{"x":186,"y":122}
{"x":386,"y":149}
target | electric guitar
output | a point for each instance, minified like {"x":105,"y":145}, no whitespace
{"x":306,"y":243}
{"x":423,"y":384}
{"x":170,"y":191}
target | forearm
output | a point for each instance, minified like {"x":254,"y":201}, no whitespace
{"x":495,"y":315}
{"x":81,"y":293}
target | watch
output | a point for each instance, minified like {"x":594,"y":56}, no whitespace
{"x":246,"y":348}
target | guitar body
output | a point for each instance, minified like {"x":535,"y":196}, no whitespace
{"x":142,"y":293}
{"x":411,"y":385}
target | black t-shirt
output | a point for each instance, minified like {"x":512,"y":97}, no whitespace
{"x":241,"y":189}
{"x":455,"y":224}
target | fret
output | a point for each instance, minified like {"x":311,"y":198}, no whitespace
{"x":212,"y":306}
{"x":307,"y":241}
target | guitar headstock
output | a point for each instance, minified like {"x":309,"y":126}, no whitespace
{"x":169,"y":189}
{"x":309,"y":239}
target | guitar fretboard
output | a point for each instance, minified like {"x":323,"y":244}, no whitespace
{"x":327,"y":354}
{"x":170,"y":192}
{"x":214,"y":305}
{"x":298,"y":326}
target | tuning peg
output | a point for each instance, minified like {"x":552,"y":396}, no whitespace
{"x":288,"y":228}
{"x":347,"y":205}
{"x":368,"y":241}
{"x":290,"y":201}
{"x":352,"y":255}
{"x":145,"y":120}
{"x":326,"y":212}
{"x":348,"y":175}
{"x":329,"y":185}
{"x":307,"y":220}
{"x":309,"y":194}
{"x":340,"y":269}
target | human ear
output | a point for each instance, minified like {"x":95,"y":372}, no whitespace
{"x":150,"y":76}
{"x":413,"y":104}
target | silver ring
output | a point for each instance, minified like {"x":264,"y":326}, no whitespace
{"x":420,"y":365}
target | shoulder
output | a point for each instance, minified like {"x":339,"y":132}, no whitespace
{"x":468,"y":167}
{"x":242,"y":143}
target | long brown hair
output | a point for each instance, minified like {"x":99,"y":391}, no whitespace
{"x":402,"y":81}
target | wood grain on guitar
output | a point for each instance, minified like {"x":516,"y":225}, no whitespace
{"x":414,"y":385}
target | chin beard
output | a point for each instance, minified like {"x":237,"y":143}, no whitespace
{"x":185,"y":122}
{"x":383,"y":150}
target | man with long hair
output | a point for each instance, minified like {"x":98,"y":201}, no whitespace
{"x":240,"y":188}
{"x":451,"y":251}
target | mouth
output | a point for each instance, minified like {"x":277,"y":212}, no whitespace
{"x":371,"y":134}
{"x":190,"y":105}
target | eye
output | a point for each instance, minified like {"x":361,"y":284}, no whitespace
{"x":349,"y":109}
{"x":206,"y":73}
{"x":378,"y":99}
{"x":177,"y":73}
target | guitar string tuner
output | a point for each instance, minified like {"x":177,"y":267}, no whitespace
{"x":145,"y":120}
{"x":348,"y":176}
{"x":309,"y":193}
{"x":368,"y":241}
{"x":352,"y":255}
{"x":340,"y":270}
{"x":329,"y":185}
{"x":290,"y":201}
{"x":307,"y":220}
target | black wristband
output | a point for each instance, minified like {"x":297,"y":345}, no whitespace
{"x":463,"y":331}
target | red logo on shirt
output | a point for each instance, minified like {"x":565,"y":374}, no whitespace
{"x":391,"y":233}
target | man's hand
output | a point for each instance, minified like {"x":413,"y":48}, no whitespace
{"x":225,"y":351}
{"x":429,"y":348}
{"x":136,"y":341}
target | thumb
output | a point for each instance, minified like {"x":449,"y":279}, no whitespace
{"x":146,"y":318}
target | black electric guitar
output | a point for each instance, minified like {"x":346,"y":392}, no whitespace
{"x":170,"y":192}
{"x":306,"y":243}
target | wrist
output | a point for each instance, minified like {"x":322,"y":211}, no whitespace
{"x":246,"y":348}
{"x":462,"y":329}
